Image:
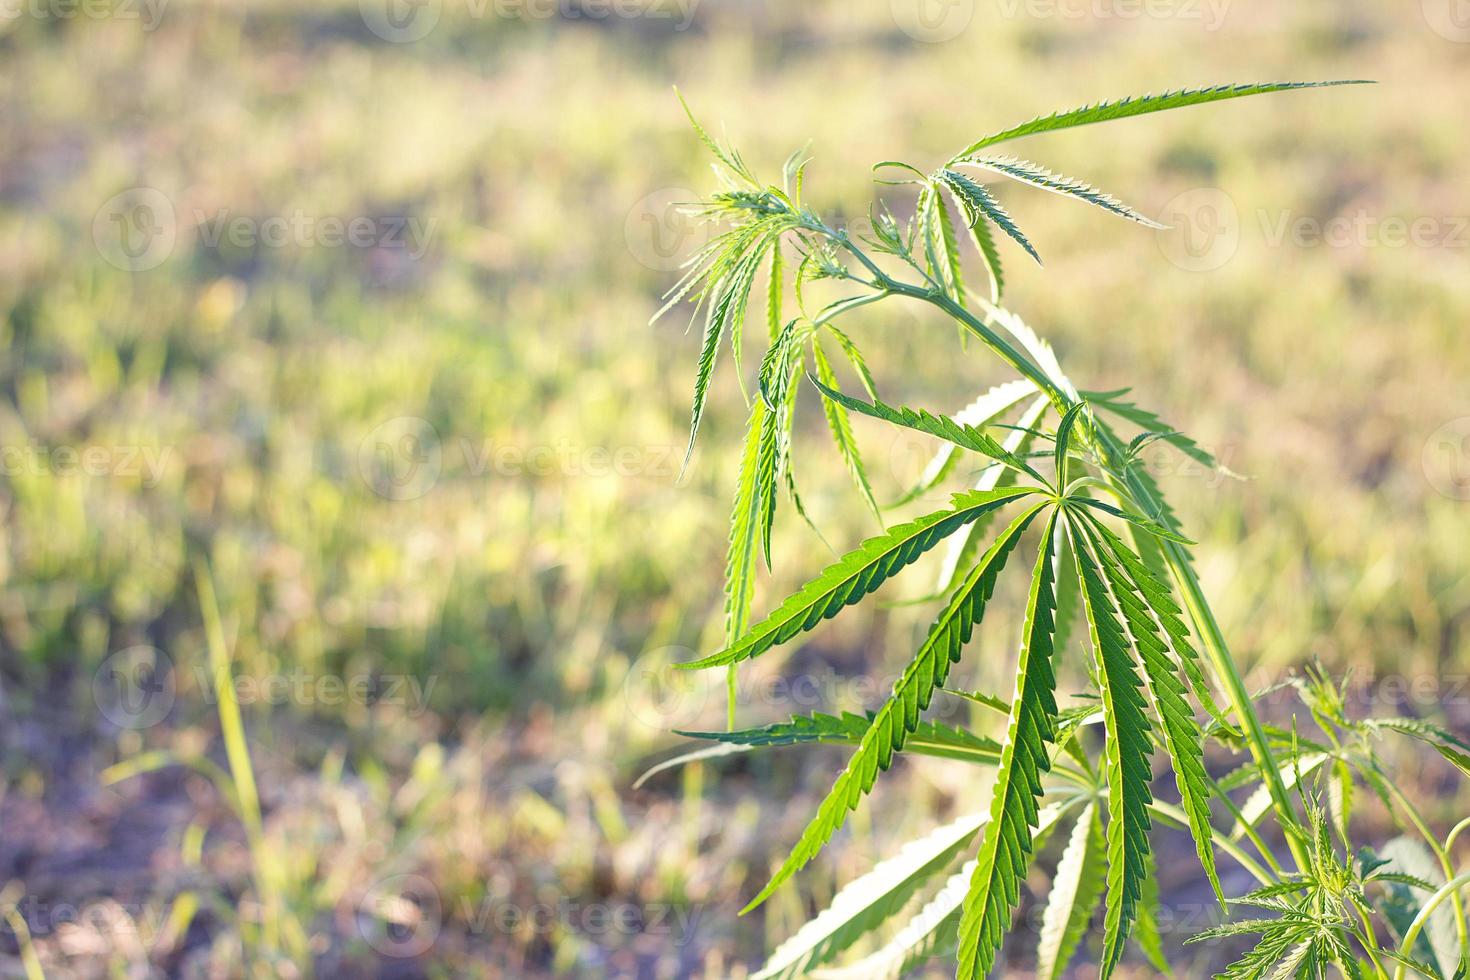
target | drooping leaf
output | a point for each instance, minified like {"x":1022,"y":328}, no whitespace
{"x":942,"y":427}
{"x":741,"y":302}
{"x":869,"y":901}
{"x":1035,"y":175}
{"x":1005,"y":852}
{"x":726,"y":310}
{"x":1075,"y":890}
{"x":1159,"y":597}
{"x":1123,"y":108}
{"x":983,"y":411}
{"x":708,"y":353}
{"x":911,"y":694}
{"x":745,"y":523}
{"x":858,"y":573}
{"x":953,"y":271}
{"x":1166,"y":689}
{"x":928,"y":737}
{"x":928,"y":234}
{"x":1146,"y":933}
{"x":933,"y":930}
{"x":979,"y":205}
{"x":855,"y":358}
{"x":985,"y":243}
{"x":1127,"y":754}
{"x":1153,"y":425}
{"x":1438,"y":943}
{"x":776,"y":390}
{"x":961,"y":549}
{"x":841,"y":428}
{"x":775,"y":285}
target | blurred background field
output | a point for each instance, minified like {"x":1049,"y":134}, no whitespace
{"x":349,"y":305}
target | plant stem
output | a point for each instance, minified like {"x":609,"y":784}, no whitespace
{"x":1461,"y":827}
{"x":732,"y":677}
{"x":1450,"y":888}
{"x":1417,"y":819}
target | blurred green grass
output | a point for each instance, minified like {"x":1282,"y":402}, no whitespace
{"x":551,"y":550}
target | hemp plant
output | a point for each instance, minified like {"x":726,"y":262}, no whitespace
{"x":1060,"y":479}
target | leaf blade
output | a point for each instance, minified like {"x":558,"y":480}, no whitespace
{"x":1035,"y":175}
{"x":1075,"y":891}
{"x":900,"y":713}
{"x":995,"y":886}
{"x":1128,"y":771}
{"x":1124,"y":108}
{"x":858,"y":573}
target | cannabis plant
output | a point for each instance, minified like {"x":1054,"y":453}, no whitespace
{"x":1062,"y":492}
